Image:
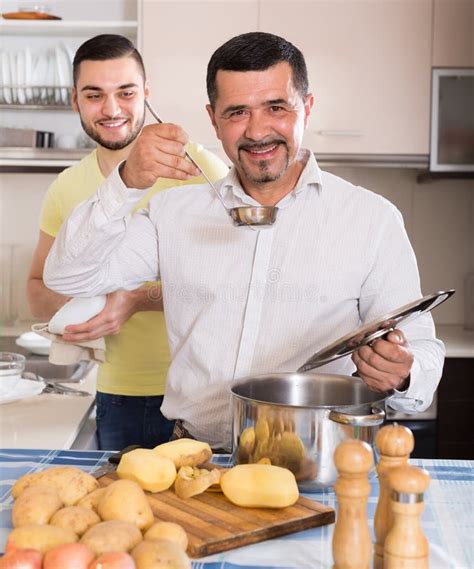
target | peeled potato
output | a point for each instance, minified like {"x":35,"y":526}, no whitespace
{"x":168,"y":531}
{"x":163,"y":554}
{"x":185,"y":452}
{"x":40,"y":537}
{"x":151,"y":471}
{"x":35,"y":505}
{"x":260,"y":486}
{"x":77,"y":518}
{"x":124,"y":500}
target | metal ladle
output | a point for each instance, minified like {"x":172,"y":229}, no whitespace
{"x":244,"y":215}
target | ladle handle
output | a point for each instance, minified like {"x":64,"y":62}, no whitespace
{"x":189,"y":157}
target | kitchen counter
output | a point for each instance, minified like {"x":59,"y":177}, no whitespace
{"x":47,"y":419}
{"x":459,"y":342}
{"x":447,"y":520}
{"x":55,"y":421}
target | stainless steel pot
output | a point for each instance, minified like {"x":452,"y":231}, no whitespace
{"x":297,"y":420}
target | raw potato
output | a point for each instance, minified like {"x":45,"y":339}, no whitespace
{"x":35,"y":505}
{"x":110,"y":536}
{"x":260,"y":486}
{"x":192,"y":481}
{"x":168,"y":531}
{"x":22,"y":483}
{"x":92,"y":499}
{"x":77,"y":518}
{"x":160,"y":554}
{"x":185,"y":452}
{"x":151,"y":471}
{"x":40,"y":537}
{"x":124,"y":500}
{"x":71,"y":483}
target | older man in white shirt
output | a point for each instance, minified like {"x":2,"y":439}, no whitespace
{"x":243,"y":300}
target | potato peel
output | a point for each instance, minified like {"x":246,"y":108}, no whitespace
{"x":192,"y":481}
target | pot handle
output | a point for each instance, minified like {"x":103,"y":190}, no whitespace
{"x":376,"y":418}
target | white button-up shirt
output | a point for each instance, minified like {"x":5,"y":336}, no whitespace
{"x":243,"y":301}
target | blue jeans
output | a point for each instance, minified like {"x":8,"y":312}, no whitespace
{"x":124,"y":420}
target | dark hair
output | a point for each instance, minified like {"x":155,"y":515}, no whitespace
{"x":256,"y":51}
{"x":104,"y":47}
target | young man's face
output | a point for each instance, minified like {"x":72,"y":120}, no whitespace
{"x":110,"y":96}
{"x":260,"y":118}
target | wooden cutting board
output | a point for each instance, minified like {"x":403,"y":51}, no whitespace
{"x":214,"y":524}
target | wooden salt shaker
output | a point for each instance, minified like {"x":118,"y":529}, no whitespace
{"x":351,"y":545}
{"x":394,"y":443}
{"x":406,"y":547}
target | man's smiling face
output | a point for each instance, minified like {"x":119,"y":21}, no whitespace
{"x":260,"y":117}
{"x":109,"y":96}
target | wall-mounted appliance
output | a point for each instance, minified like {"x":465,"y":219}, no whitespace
{"x":452,"y":120}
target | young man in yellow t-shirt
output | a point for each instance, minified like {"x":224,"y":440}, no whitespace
{"x":109,"y":92}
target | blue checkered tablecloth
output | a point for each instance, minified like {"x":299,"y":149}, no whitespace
{"x":447,"y":520}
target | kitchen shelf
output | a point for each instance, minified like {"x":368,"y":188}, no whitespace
{"x":39,"y":159}
{"x":373,"y":160}
{"x":66,"y":27}
{"x":32,"y":107}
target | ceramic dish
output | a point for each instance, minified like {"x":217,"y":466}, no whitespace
{"x":28,"y":74}
{"x":20,"y":76}
{"x":6,"y":79}
{"x":62,"y":74}
{"x":34,"y":343}
{"x":24,"y":388}
{"x":13,"y":76}
{"x":76,"y":311}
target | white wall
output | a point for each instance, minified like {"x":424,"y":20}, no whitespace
{"x":439,"y":217}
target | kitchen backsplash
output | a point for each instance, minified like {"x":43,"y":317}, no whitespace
{"x":439,"y":217}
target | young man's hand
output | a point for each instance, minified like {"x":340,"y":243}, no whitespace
{"x":121,"y":305}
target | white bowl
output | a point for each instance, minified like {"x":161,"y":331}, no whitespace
{"x":76,"y":311}
{"x":34,"y":343}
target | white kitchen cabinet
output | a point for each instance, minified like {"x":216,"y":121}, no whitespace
{"x":177,"y":38}
{"x":369,"y":69}
{"x":453,"y":33}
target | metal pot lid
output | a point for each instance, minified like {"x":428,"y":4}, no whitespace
{"x":370,"y":332}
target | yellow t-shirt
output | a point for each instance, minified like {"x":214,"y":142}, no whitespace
{"x":138,"y":357}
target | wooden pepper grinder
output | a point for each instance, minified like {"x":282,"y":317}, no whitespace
{"x":351,"y":545}
{"x":406,"y":547}
{"x":394,"y":443}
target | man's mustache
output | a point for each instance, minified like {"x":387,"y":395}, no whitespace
{"x":261,"y":145}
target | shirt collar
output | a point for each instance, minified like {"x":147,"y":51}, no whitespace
{"x":230,"y":186}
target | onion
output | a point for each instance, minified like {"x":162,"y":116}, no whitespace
{"x":68,"y":556}
{"x":113,"y":560}
{"x":21,"y":559}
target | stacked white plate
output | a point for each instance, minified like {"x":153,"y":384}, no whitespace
{"x":22,"y":73}
{"x":34,"y":343}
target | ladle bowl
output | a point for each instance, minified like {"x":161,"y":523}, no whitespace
{"x":250,"y":215}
